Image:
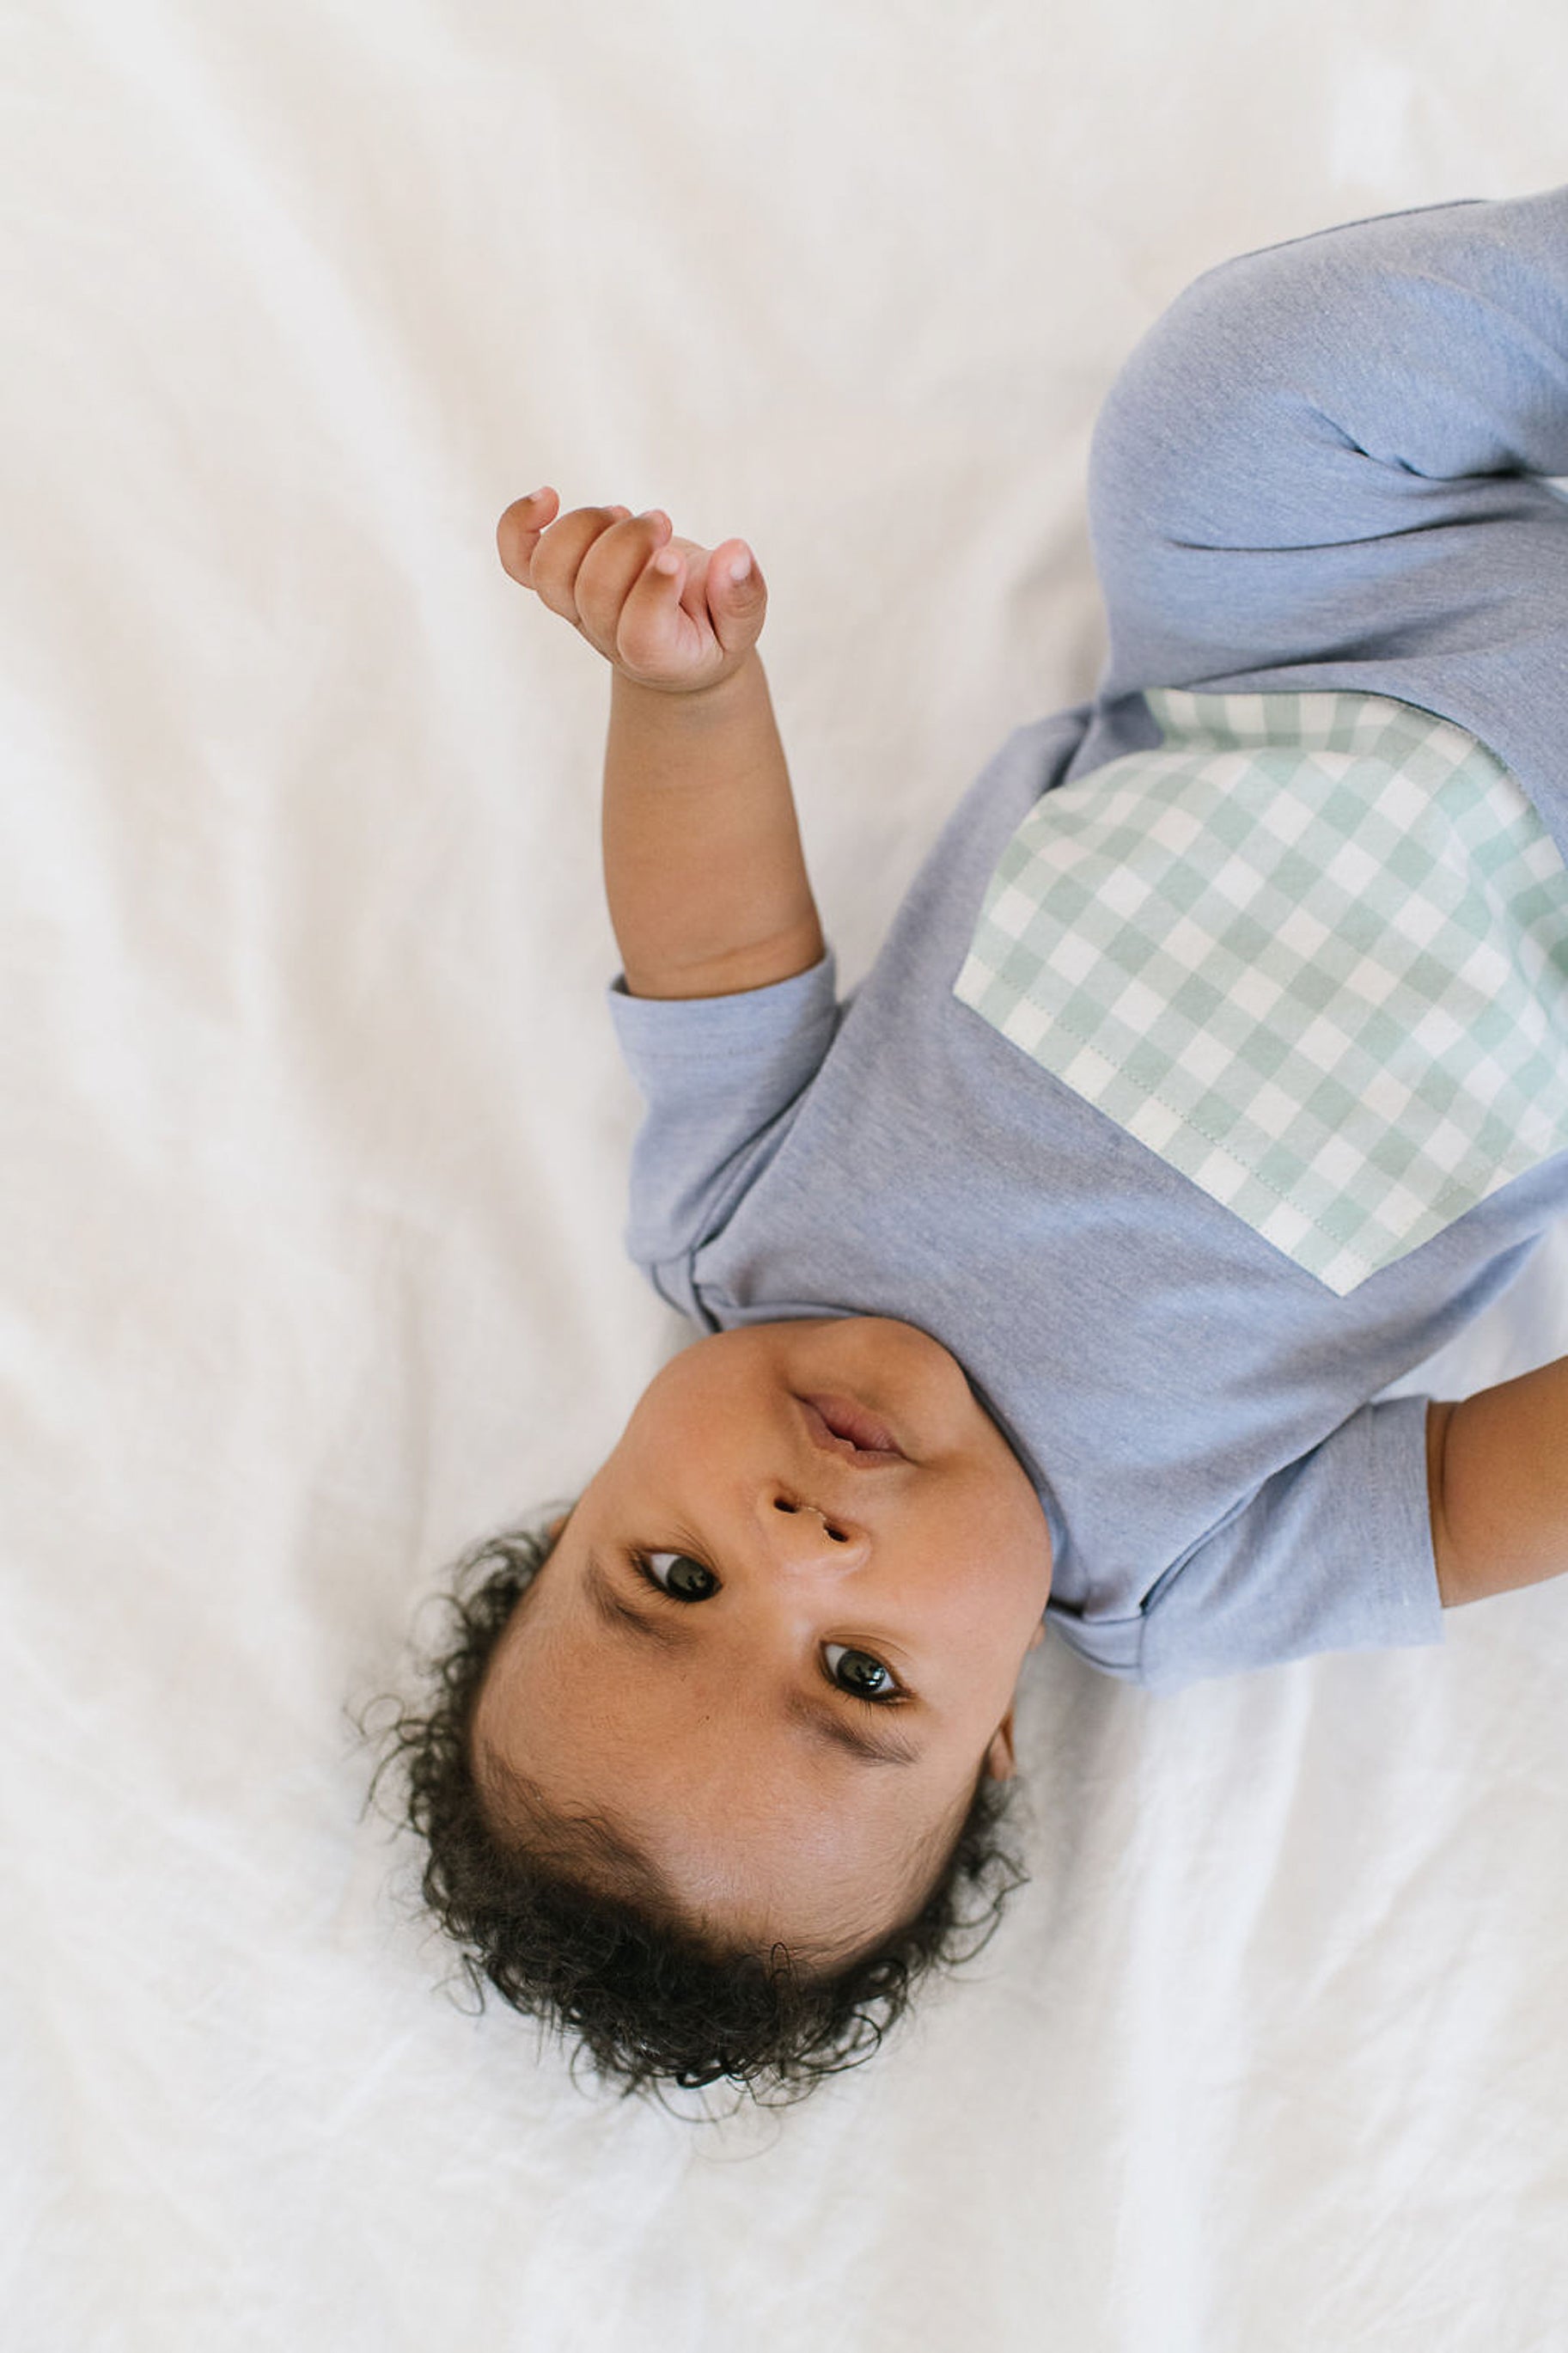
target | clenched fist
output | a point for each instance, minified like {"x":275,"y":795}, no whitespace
{"x":666,"y":613}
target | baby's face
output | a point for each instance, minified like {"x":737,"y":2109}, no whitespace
{"x":787,"y":1705}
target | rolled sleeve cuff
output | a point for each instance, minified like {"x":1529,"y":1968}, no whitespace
{"x":753,"y":1025}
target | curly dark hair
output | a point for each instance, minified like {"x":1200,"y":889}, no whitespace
{"x":649,"y":2001}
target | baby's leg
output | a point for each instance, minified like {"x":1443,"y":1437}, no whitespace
{"x":1318,"y":459}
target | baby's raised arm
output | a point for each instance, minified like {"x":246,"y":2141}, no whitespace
{"x":703,"y":868}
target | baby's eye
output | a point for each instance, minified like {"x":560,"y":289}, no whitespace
{"x":677,"y":1574}
{"x":858,"y":1672}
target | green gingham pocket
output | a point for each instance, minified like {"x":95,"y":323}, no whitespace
{"x":1313,"y":952}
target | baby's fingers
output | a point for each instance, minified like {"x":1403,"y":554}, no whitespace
{"x":545,"y":556}
{"x":688,"y":619}
{"x":737,"y":599}
{"x":519,"y":531}
{"x":654,"y":638}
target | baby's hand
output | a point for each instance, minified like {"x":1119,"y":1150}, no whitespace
{"x":664,"y":611}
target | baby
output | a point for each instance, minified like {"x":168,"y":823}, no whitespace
{"x":1212,"y":1075}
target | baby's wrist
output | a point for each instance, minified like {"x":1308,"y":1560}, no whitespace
{"x":708,"y":701}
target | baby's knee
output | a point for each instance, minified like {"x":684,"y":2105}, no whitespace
{"x":1205,"y":410}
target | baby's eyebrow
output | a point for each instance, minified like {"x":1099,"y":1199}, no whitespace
{"x":872,"y":1748}
{"x":869,"y":1742}
{"x":609,"y":1607}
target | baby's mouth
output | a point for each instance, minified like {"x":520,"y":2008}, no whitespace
{"x":846,"y":1428}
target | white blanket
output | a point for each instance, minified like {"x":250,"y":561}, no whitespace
{"x":316,"y":1145}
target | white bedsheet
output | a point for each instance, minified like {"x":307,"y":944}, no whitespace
{"x":315,"y":1146}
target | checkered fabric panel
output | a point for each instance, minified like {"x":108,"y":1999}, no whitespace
{"x":1313,"y":952}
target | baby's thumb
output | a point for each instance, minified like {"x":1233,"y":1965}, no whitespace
{"x":736,"y":596}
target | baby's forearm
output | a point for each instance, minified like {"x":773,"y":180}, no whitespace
{"x":703,"y":868}
{"x":1499,"y":1485}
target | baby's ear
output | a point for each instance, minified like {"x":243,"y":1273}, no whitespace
{"x":1000,"y":1762}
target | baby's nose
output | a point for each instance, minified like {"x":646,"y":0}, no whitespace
{"x":806,"y":1535}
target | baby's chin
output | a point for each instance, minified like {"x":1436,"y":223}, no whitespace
{"x":903,"y":1359}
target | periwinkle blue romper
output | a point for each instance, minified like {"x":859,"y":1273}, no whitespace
{"x":1214,"y":1070}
